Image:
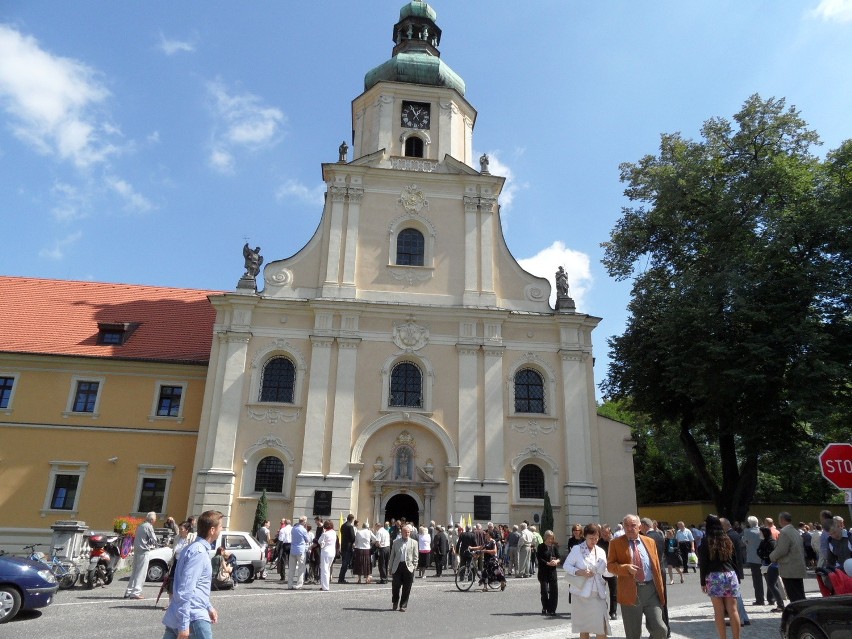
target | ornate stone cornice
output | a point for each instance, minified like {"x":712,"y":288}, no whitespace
{"x":467,"y":349}
{"x":573,"y":356}
{"x":338,"y":193}
{"x":321,"y":341}
{"x":274,"y":415}
{"x":356,"y":194}
{"x":348,"y":342}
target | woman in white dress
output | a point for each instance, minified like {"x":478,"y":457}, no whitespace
{"x":589,"y":603}
{"x":328,"y":549}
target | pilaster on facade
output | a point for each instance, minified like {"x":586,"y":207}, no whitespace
{"x":576,"y":409}
{"x":494,"y":414}
{"x":471,"y":251}
{"x":344,"y":405}
{"x":337,"y":193}
{"x":581,"y":503}
{"x":317,"y":407}
{"x":225,"y":416}
{"x":214,"y":491}
{"x":468,"y":410}
{"x":355,"y":195}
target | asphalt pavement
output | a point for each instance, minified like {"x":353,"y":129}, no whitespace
{"x":436,"y":609}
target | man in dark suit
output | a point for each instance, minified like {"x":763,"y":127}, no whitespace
{"x":347,"y":547}
{"x":634,"y":559}
{"x":403,"y":563}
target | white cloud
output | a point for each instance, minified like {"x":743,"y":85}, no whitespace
{"x":242,"y":121}
{"x":134,"y":201}
{"x":57,"y":252}
{"x":578,"y":266}
{"x":53,"y":101}
{"x":834,"y":10}
{"x":72,"y":203}
{"x":170,"y":46}
{"x":297,"y":190}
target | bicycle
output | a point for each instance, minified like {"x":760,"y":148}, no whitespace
{"x":468,"y":574}
{"x":65,"y":571}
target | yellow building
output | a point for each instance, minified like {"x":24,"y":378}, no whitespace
{"x":100,"y":398}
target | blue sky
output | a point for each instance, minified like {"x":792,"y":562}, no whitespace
{"x":143,"y":142}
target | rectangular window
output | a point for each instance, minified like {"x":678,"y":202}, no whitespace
{"x":6,"y":384}
{"x":169,"y":402}
{"x":64,"y":492}
{"x":86,"y":397}
{"x":152,"y":495}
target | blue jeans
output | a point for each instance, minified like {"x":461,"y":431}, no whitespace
{"x":199,"y":629}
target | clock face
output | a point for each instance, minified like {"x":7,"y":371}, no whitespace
{"x":415,"y":115}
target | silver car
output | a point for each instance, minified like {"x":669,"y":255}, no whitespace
{"x":241,"y":544}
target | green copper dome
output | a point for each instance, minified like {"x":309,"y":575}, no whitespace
{"x":418,"y":9}
{"x":415,"y":56}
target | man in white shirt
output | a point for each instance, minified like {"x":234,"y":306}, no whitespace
{"x":383,"y":543}
{"x":285,"y":537}
{"x":525,"y":546}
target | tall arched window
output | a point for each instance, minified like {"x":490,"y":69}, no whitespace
{"x":414,"y":147}
{"x":269,"y":475}
{"x":409,"y":248}
{"x":531,"y":482}
{"x":529,"y":391}
{"x":279,"y":379}
{"x":406,"y":386}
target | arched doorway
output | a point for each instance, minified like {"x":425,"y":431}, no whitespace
{"x":400,"y":506}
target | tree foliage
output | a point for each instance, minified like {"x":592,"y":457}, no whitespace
{"x":739,"y":327}
{"x":261,"y":513}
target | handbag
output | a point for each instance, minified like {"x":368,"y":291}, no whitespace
{"x":577,"y":581}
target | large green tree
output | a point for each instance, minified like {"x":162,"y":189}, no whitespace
{"x":739,"y":327}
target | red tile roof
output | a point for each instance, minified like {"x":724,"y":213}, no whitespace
{"x":60,"y":317}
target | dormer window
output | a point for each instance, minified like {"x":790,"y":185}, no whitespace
{"x":115,"y":334}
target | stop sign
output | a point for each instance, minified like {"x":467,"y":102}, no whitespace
{"x":836,"y":464}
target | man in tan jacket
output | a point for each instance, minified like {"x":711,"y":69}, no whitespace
{"x":789,"y":554}
{"x":633,"y":558}
{"x":403,"y":563}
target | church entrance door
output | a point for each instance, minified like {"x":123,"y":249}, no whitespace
{"x":400,"y":506}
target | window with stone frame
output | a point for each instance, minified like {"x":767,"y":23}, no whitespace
{"x":529,"y":391}
{"x":531,"y":482}
{"x":410,"y":248}
{"x":269,"y":475}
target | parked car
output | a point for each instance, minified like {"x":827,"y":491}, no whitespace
{"x":243,"y":546}
{"x":24,"y":585}
{"x":823,"y":618}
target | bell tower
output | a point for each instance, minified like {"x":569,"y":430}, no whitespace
{"x":413,"y":105}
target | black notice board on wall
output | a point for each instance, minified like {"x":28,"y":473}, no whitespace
{"x":482,"y":507}
{"x":322,"y":503}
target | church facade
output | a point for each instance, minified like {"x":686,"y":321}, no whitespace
{"x":402,"y":363}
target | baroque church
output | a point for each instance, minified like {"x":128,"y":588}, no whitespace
{"x":402,"y":363}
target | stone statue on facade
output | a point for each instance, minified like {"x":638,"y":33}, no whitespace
{"x":342,"y":150}
{"x":564,"y":301}
{"x":253,"y":260}
{"x":483,"y":164}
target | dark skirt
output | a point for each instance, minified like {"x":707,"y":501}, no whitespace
{"x":361,"y":566}
{"x":423,"y":560}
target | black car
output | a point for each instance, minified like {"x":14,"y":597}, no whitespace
{"x":823,"y":618}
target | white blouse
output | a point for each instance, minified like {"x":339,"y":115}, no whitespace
{"x":364,"y":537}
{"x":581,"y":558}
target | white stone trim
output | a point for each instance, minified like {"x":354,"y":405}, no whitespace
{"x":153,"y":471}
{"x":158,"y":385}
{"x":78,"y":468}
{"x":267,"y":446}
{"x":403,"y":417}
{"x":15,"y":377}
{"x":536,"y":363}
{"x":72,"y":395}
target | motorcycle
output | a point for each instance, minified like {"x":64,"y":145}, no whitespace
{"x":103,"y":560}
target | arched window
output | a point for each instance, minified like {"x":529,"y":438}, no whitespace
{"x":413,"y":147}
{"x":409,"y":248}
{"x":531,"y":482}
{"x":529,"y":391}
{"x":269,"y":475}
{"x":279,"y":379}
{"x":406,"y":386}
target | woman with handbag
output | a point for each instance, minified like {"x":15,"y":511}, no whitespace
{"x":586,"y":567}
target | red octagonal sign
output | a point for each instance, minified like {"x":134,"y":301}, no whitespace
{"x":836,"y":464}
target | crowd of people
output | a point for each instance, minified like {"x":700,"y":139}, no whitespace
{"x":605,"y":567}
